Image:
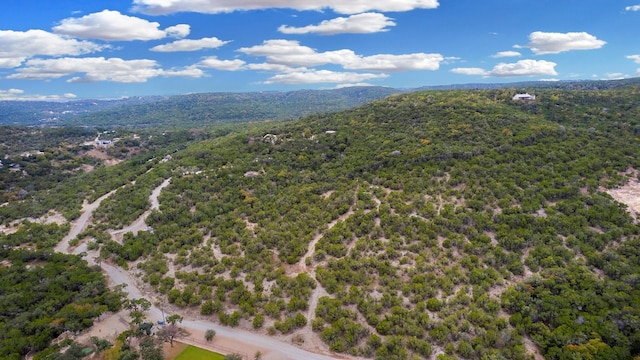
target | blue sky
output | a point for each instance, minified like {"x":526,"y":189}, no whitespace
{"x":69,"y":49}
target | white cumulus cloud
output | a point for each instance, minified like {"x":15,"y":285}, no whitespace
{"x":275,"y":49}
{"x":178,"y":31}
{"x":524,"y":68}
{"x":633,"y":8}
{"x":113,"y":26}
{"x":342,"y":86}
{"x":614,"y":76}
{"x":364,"y":23}
{"x":190,"y":45}
{"x":321,"y":76}
{"x":93,"y":69}
{"x":189,"y":71}
{"x":18,"y":94}
{"x":213,"y":62}
{"x":635,"y":58}
{"x":470,"y":71}
{"x":396,"y":63}
{"x":503,"y":54}
{"x":554,"y":43}
{"x":520,"y":68}
{"x":157,"y":7}
{"x":18,"y":46}
{"x":278,"y":68}
{"x":10,"y":94}
{"x":292,"y":54}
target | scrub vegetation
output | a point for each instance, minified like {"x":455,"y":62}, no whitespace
{"x":459,"y":223}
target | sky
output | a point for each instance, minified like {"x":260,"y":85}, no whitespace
{"x":74,"y":49}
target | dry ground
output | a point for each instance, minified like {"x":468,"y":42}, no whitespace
{"x":171,"y":353}
{"x":629,"y":195}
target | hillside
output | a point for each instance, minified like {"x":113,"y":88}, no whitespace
{"x":186,"y":111}
{"x":452,"y":223}
{"x":209,"y":109}
{"x":212,"y":109}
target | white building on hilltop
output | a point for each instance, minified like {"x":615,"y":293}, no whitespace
{"x":524,"y":97}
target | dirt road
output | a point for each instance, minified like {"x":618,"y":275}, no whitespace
{"x":141,"y":223}
{"x":80,"y":224}
{"x":231,"y":339}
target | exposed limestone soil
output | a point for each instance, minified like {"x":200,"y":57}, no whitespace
{"x":628,"y":194}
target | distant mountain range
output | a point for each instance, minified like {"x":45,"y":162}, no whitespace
{"x":56,"y":113}
{"x":205,"y":109}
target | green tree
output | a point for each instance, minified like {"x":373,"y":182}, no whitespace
{"x":137,"y":309}
{"x":100,"y":344}
{"x":171,"y":330}
{"x":150,"y":349}
{"x":209,"y":334}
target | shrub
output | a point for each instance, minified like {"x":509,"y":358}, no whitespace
{"x":209,"y":334}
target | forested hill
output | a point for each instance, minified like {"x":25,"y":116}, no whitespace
{"x":458,"y":223}
{"x":455,"y":221}
{"x":209,"y":109}
{"x":185,"y":111}
{"x":55,"y":113}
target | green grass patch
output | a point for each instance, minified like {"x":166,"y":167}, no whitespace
{"x":195,"y":353}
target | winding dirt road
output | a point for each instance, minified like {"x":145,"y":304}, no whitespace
{"x":141,"y":222}
{"x":233,"y":339}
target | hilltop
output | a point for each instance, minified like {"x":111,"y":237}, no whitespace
{"x":457,"y":223}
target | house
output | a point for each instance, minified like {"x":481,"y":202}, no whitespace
{"x":524,"y":97}
{"x":103,"y":143}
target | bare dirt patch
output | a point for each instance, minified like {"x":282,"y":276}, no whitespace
{"x":95,"y":153}
{"x":103,"y":156}
{"x":628,"y":194}
{"x":49,"y":218}
{"x":327,"y":194}
{"x":107,"y":326}
{"x":8,"y":230}
{"x":112,"y":162}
